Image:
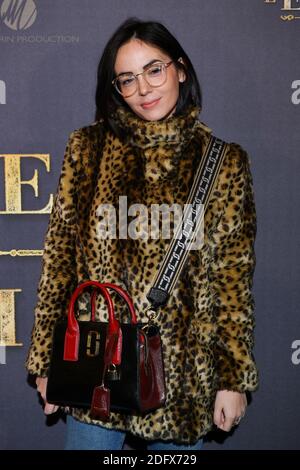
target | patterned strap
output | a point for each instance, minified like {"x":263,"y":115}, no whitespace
{"x":198,"y":199}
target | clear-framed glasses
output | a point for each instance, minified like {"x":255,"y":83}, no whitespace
{"x":155,"y":75}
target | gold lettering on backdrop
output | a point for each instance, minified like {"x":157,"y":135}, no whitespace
{"x":7,"y":317}
{"x":13,"y":205}
{"x":287,"y":5}
{"x":289,"y":17}
{"x":22,"y":253}
{"x":290,"y":5}
{"x":13,"y":183}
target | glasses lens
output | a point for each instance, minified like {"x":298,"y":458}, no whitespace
{"x":156,"y":75}
{"x":126,"y":84}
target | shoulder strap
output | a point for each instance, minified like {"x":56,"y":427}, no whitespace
{"x":198,"y":199}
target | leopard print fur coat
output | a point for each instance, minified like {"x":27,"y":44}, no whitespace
{"x":208,"y":324}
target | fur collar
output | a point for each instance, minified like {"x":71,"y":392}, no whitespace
{"x":144,"y":134}
{"x":159,"y":144}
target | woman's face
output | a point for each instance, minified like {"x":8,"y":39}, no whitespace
{"x":132,"y":57}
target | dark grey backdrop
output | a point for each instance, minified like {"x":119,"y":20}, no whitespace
{"x":246,"y":58}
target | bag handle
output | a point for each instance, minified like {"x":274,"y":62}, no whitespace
{"x":121,"y":292}
{"x":72,"y":336}
{"x":113,"y":348}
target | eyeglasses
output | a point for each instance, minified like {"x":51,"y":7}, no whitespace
{"x":155,"y":75}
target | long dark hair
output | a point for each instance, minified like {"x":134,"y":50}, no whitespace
{"x":152,"y":33}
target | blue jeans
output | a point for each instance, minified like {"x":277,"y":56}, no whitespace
{"x":82,"y":436}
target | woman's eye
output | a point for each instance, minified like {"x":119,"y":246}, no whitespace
{"x":126,"y":81}
{"x":154,"y":71}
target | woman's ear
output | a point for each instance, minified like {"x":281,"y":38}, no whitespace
{"x":181,"y":73}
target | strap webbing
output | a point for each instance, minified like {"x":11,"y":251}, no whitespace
{"x":198,"y":199}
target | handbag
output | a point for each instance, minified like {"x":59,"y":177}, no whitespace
{"x":119,"y":366}
{"x":106,"y":365}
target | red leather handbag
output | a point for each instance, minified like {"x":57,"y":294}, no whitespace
{"x":106,"y":365}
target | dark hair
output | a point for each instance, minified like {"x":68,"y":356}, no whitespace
{"x":152,"y":33}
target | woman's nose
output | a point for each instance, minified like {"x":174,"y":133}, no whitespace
{"x":143,"y":85}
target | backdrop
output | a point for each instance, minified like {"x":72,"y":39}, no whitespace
{"x":245,"y":54}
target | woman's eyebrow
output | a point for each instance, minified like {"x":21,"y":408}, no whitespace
{"x":145,"y":66}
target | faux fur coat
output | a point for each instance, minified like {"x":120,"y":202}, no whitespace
{"x":207,"y":325}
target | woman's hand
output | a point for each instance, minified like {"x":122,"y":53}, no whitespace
{"x":41,"y":383}
{"x":230,"y":407}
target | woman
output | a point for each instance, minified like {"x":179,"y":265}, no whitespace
{"x":146,"y":144}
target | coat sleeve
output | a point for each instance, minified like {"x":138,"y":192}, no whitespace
{"x":58,"y":272}
{"x":232,"y":272}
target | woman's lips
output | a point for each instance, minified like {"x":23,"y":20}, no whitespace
{"x":150,"y":104}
